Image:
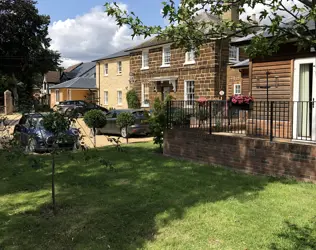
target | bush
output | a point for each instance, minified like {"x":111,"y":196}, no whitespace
{"x":124,"y":120}
{"x":132,"y":99}
{"x":95,"y":119}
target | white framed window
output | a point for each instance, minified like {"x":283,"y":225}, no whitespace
{"x":57,"y":97}
{"x":166,"y":56}
{"x":145,"y":95}
{"x":145,"y":59}
{"x":106,"y":97}
{"x":119,"y":97}
{"x":69,"y":94}
{"x":106,"y":69}
{"x":190,"y":57}
{"x":233,"y":54}
{"x":237,"y":89}
{"x":119,"y":67}
{"x":189,"y":93}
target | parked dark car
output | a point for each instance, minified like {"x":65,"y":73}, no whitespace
{"x":36,"y":138}
{"x":79,"y":106}
{"x":141,"y":126}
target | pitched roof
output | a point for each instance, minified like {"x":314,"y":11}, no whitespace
{"x":114,"y":55}
{"x":150,"y":43}
{"x":286,"y":24}
{"x":77,"y":83}
{"x":52,"y":77}
{"x":71,"y":68}
{"x":83,"y":70}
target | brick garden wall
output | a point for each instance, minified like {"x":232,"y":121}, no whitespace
{"x":244,"y":154}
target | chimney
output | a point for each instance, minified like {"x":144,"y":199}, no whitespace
{"x":232,"y":14}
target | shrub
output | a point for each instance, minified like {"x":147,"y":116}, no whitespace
{"x":132,"y":99}
{"x":124,"y":120}
{"x":95,"y":119}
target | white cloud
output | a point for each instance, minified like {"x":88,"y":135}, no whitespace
{"x":89,"y":36}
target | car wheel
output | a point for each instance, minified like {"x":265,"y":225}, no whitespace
{"x":124,"y":133}
{"x":31,"y":147}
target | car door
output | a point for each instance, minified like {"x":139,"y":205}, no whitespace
{"x":108,"y":128}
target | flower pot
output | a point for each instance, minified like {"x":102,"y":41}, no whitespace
{"x":243,"y":106}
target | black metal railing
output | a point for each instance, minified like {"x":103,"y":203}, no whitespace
{"x":275,"y":119}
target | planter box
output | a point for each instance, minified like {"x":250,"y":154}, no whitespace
{"x":243,"y":106}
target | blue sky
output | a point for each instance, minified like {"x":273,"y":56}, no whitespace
{"x":148,"y":10}
{"x":81,"y":31}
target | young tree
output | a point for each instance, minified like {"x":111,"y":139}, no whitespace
{"x":158,"y":120}
{"x":57,"y":124}
{"x":95,"y":119}
{"x":188,"y":31}
{"x":123,"y":121}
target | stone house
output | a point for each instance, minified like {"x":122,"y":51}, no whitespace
{"x":112,"y":77}
{"x":157,"y":69}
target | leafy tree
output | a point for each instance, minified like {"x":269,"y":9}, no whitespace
{"x":57,"y":124}
{"x":132,"y":99}
{"x":123,"y":121}
{"x":187,"y":30}
{"x":95,"y":119}
{"x":24,"y":44}
{"x":158,"y":120}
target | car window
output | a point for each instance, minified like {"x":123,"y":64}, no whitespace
{"x":81,"y":103}
{"x":23,"y":120}
{"x":141,"y":114}
{"x":110,"y":115}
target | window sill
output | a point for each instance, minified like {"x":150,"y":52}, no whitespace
{"x":145,"y":68}
{"x":145,"y":106}
{"x":106,"y":75}
{"x":165,"y":66}
{"x":119,"y":74}
{"x":189,"y":63}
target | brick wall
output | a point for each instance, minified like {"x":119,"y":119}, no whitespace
{"x":208,"y":72}
{"x":245,"y":154}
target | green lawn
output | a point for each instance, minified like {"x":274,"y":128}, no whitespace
{"x":149,"y":202}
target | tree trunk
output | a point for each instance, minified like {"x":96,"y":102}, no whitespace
{"x":126,"y":136}
{"x":95,"y":138}
{"x":53,"y":182}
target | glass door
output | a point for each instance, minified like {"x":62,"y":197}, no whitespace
{"x":304,"y":122}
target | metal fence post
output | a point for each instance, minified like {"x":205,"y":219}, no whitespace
{"x":271,"y":121}
{"x":210,"y":112}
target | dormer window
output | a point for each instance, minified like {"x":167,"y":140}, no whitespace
{"x":166,"y":56}
{"x":233,"y":54}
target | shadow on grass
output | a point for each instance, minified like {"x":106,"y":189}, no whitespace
{"x":103,"y":208}
{"x":297,"y":237}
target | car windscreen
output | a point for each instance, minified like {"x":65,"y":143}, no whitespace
{"x":141,"y":114}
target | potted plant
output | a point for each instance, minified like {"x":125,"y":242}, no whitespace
{"x":241,"y":102}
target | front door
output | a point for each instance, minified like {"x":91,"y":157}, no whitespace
{"x":304,"y":97}
{"x":165,"y":92}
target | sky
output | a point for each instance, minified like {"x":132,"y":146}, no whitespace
{"x":81,"y":31}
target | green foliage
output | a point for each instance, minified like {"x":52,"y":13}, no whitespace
{"x":188,"y":31}
{"x":125,"y":119}
{"x":56,"y":123}
{"x":158,"y":121}
{"x":132,"y":99}
{"x":25,"y":54}
{"x":95,"y":119}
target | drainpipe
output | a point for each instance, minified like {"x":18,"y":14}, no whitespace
{"x":99,"y":89}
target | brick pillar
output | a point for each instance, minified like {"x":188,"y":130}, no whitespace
{"x":8,"y":104}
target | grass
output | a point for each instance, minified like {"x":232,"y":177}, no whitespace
{"x":148,"y":201}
